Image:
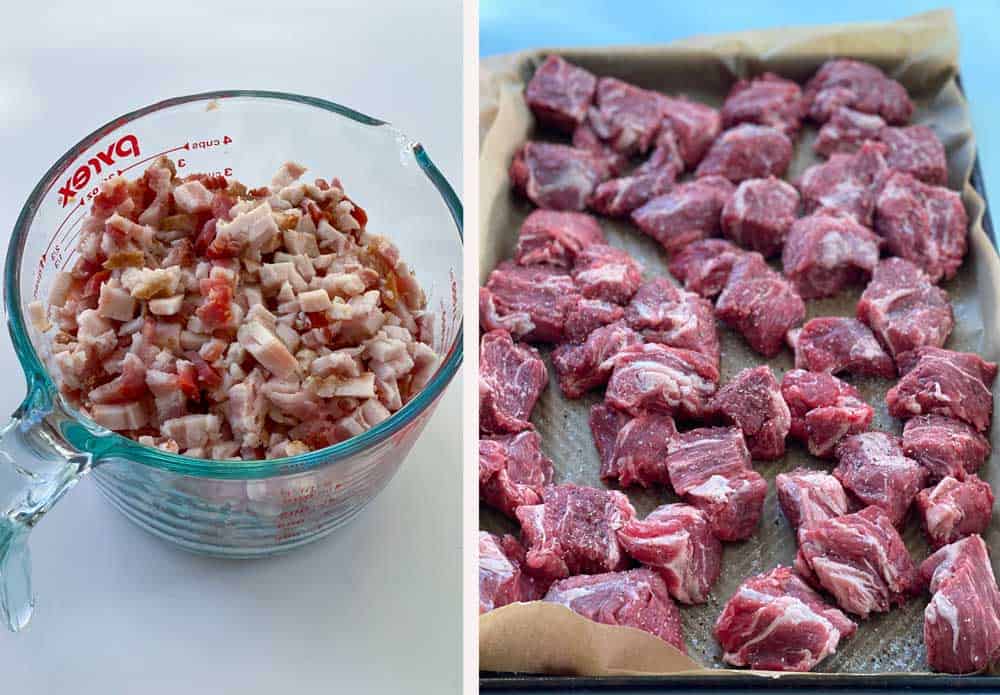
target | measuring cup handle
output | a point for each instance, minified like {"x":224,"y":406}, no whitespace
{"x":37,"y":467}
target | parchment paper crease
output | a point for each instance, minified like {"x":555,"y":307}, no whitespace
{"x":921,"y":52}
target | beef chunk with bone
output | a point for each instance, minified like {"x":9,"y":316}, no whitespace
{"x":677,"y":542}
{"x":775,"y":621}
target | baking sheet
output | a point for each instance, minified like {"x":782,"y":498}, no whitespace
{"x":921,"y":52}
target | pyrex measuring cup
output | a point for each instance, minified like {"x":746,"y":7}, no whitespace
{"x":232,"y":509}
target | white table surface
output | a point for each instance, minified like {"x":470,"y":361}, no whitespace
{"x":377,"y":606}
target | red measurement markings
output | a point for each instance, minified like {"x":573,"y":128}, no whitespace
{"x":69,"y":243}
{"x":55,"y":236}
{"x":185,"y":146}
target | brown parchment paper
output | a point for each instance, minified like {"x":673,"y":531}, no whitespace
{"x":921,"y":52}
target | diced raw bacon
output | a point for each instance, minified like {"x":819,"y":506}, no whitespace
{"x":217,"y":309}
{"x":120,"y":417}
{"x":130,"y":385}
{"x":192,"y":430}
{"x":193,"y":196}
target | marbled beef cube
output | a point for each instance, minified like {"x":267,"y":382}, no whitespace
{"x":663,"y":313}
{"x":694,"y":124}
{"x":689,"y":212}
{"x":917,"y":151}
{"x":661,"y":379}
{"x":945,"y":446}
{"x":587,"y":315}
{"x":858,"y":85}
{"x":529,"y":301}
{"x":768,"y":100}
{"x":835,"y":344}
{"x":954,"y":509}
{"x":560,"y":93}
{"x":846,"y":131}
{"x":581,"y":367}
{"x":752,"y":401}
{"x":825,"y":253}
{"x":824,"y":409}
{"x":556,"y":238}
{"x":511,"y":377}
{"x":626,"y":116}
{"x":703,"y":266}
{"x":873,"y":468}
{"x":808,"y":497}
{"x":760,"y":213}
{"x":557,"y":177}
{"x":501,"y":577}
{"x":608,"y":273}
{"x":846,"y":184}
{"x":513,"y":470}
{"x":747,"y":152}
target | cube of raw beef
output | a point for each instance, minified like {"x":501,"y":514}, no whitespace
{"x":760,"y":213}
{"x":775,"y":621}
{"x":962,"y":620}
{"x":752,"y":401}
{"x":917,"y":151}
{"x":945,"y":446}
{"x":924,"y":224}
{"x":584,"y":138}
{"x":529,"y":301}
{"x":661,"y":379}
{"x":825,"y":253}
{"x":637,"y":598}
{"x":765,"y":100}
{"x":605,"y":424}
{"x":861,"y":86}
{"x":808,"y":497}
{"x":944,"y":382}
{"x":710,"y":468}
{"x":760,"y":304}
{"x":501,"y":580}
{"x":573,"y":531}
{"x":513,"y":470}
{"x":694,"y":124}
{"x":618,"y":197}
{"x":954,"y":509}
{"x":873,"y":468}
{"x":626,"y":116}
{"x":860,"y":559}
{"x":511,"y":377}
{"x":640,"y":451}
{"x":904,"y":309}
{"x":581,"y":367}
{"x":676,"y":541}
{"x":560,"y":93}
{"x":747,"y":152}
{"x":703,"y":266}
{"x":824,"y":409}
{"x":557,"y":177}
{"x":835,"y":344}
{"x":608,"y":273}
{"x":846,"y":184}
{"x":553,"y":237}
{"x":689,"y":212}
{"x":664,"y":313}
{"x":846,"y":131}
{"x":666,"y":155}
{"x":587,"y":315}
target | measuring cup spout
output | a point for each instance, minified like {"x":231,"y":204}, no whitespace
{"x":37,"y":466}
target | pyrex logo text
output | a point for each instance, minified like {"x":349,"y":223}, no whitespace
{"x":126,"y":146}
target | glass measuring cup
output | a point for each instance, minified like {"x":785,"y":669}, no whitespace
{"x":230,"y":509}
